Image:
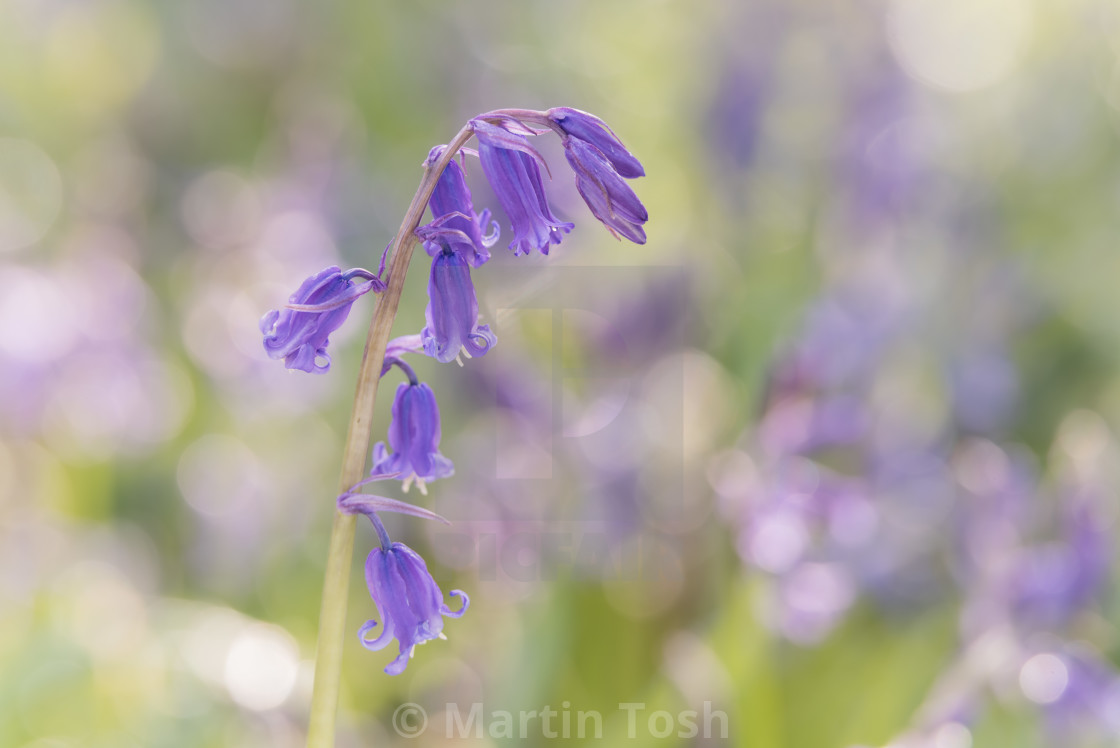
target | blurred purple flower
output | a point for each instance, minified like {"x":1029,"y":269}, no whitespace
{"x":408,"y":600}
{"x":744,"y":69}
{"x":840,"y":345}
{"x":414,"y":435}
{"x":300,"y":332}
{"x":880,"y":167}
{"x":802,"y":425}
{"x":735,"y":115}
{"x":1086,"y":707}
{"x":813,"y":598}
{"x":452,"y":312}
{"x":454,"y":218}
{"x":1053,"y":582}
{"x":510,"y":165}
{"x":985,"y":389}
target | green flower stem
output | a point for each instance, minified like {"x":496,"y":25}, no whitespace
{"x":332,"y":615}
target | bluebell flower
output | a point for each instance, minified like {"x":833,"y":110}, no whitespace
{"x":600,"y":163}
{"x":593,"y":131}
{"x":454,"y":219}
{"x":610,"y":199}
{"x":510,"y":165}
{"x":452,"y":312}
{"x":414,"y":435}
{"x":300,"y":332}
{"x":408,"y":600}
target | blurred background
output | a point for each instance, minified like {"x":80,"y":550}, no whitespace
{"x":834,"y":454}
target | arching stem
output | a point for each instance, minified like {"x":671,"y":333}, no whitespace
{"x":332,"y":616}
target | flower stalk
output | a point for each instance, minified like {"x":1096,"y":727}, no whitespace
{"x":332,"y":615}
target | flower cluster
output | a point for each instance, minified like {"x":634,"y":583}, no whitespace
{"x":457,"y":239}
{"x":843,"y":498}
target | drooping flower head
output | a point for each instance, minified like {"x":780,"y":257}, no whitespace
{"x":408,"y":600}
{"x":589,"y":129}
{"x":454,"y":219}
{"x":414,"y":435}
{"x":511,"y":166}
{"x":299,"y":333}
{"x":610,"y":199}
{"x":600,"y":162}
{"x":452,"y":312}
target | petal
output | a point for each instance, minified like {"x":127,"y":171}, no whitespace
{"x":441,"y":468}
{"x":424,"y":596}
{"x":384,"y":463}
{"x":452,"y":311}
{"x":304,"y":358}
{"x":424,"y":428}
{"x":398,"y":432}
{"x":397,"y":666}
{"x":457,"y":613}
{"x":480,"y":341}
{"x":268,"y":322}
{"x":380,"y":642}
{"x":389,"y":591}
{"x":495,"y":232}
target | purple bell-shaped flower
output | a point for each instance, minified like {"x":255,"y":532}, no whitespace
{"x":414,"y":435}
{"x":510,"y":165}
{"x":408,"y":600}
{"x":452,"y":312}
{"x":300,"y":332}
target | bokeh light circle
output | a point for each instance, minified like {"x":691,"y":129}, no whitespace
{"x":959,"y":45}
{"x":1044,"y":678}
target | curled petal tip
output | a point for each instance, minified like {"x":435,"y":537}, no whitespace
{"x":462,"y":609}
{"x":380,"y":642}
